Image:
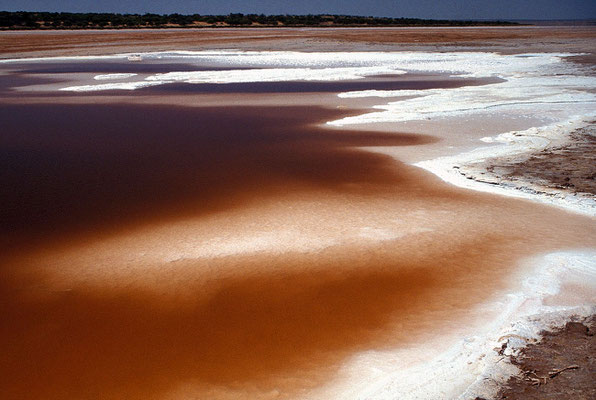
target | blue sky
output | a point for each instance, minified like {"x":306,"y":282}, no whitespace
{"x":454,"y":9}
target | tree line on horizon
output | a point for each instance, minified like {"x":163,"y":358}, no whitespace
{"x":63,"y":20}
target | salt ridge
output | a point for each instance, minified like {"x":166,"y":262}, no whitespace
{"x":113,"y":76}
{"x":517,"y":91}
{"x":471,"y":367}
{"x":110,"y":86}
{"x":516,"y":142}
{"x":292,"y":66}
{"x":272,"y":75}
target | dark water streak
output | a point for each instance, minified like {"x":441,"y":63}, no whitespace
{"x":68,"y":169}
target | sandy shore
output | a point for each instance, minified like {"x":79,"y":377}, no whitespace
{"x":561,"y":173}
{"x":510,"y":40}
{"x":551,"y":165}
{"x":564,"y":165}
{"x":560,"y":365}
{"x":374,"y":245}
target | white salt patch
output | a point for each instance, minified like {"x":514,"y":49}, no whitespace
{"x":473,"y":64}
{"x":386,"y":93}
{"x":519,"y":91}
{"x":113,"y":76}
{"x":272,"y":75}
{"x":242,"y":76}
{"x":110,"y":86}
{"x":531,"y":78}
{"x":470,"y":366}
{"x":533,"y":139}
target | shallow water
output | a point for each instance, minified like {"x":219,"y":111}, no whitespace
{"x":113,"y":287}
{"x":78,"y":168}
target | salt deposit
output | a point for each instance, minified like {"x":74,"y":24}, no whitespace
{"x":469,"y":367}
{"x":113,"y":76}
{"x":533,"y":139}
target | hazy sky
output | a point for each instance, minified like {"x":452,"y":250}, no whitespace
{"x":456,"y":9}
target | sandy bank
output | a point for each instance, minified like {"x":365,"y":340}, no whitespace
{"x":481,"y":169}
{"x":560,"y":365}
{"x":508,"y":40}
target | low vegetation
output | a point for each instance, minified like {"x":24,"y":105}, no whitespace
{"x":49,"y":20}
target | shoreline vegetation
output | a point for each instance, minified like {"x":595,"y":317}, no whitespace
{"x":61,"y":20}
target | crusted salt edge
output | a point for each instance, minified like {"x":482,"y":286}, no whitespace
{"x":527,"y":315}
{"x":533,"y":139}
{"x":105,"y":77}
{"x":272,"y":75}
{"x":470,"y":63}
{"x":335,"y":66}
{"x":552,"y":87}
{"x":471,"y":367}
{"x":518,"y":91}
{"x":243,"y":76}
{"x":110,"y":86}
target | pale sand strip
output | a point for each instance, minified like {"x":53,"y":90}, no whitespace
{"x":512,"y":143}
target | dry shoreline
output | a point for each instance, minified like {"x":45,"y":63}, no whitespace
{"x":509,"y":40}
{"x":468,"y":39}
{"x":560,"y":365}
{"x":528,"y":164}
{"x":564,"y":169}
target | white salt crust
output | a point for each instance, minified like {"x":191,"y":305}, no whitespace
{"x":107,"y":77}
{"x":519,"y":70}
{"x":469,"y":367}
{"x":511,"y":143}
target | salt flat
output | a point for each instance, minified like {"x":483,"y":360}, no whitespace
{"x":163,"y":241}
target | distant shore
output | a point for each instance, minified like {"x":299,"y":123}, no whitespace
{"x":21,"y":20}
{"x":529,"y":39}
